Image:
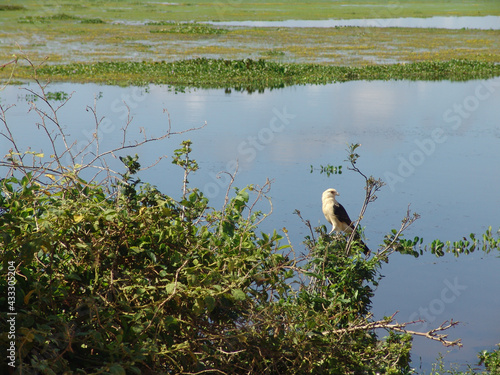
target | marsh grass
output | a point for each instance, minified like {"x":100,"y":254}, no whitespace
{"x":6,"y":7}
{"x":189,"y":28}
{"x":77,"y":36}
{"x":77,"y":41}
{"x":253,"y":75}
{"x":55,"y":18}
{"x":87,"y":31}
{"x":210,"y":10}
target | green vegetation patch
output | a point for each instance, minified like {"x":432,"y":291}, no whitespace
{"x":11,"y":7}
{"x":57,"y":17}
{"x":92,"y":20}
{"x":257,"y":74}
{"x":265,"y":10}
{"x":190,"y":28}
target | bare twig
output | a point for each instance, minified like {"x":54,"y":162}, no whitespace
{"x":405,"y":223}
{"x":88,"y":155}
{"x":231,"y":176}
{"x":371,"y":187}
{"x":13,"y":62}
{"x":261,"y":193}
{"x":308,"y":224}
{"x":401,"y":327}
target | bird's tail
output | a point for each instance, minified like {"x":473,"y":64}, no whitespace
{"x":359,"y":243}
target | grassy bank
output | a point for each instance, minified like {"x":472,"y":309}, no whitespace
{"x":253,"y":74}
{"x":66,"y":41}
{"x":96,"y":31}
{"x":237,"y":10}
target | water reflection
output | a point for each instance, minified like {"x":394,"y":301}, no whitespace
{"x":483,"y":23}
{"x":436,"y":144}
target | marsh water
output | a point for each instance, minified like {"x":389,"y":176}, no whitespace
{"x":483,"y":23}
{"x":435,"y":144}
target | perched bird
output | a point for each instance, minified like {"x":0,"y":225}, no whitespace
{"x":336,"y":215}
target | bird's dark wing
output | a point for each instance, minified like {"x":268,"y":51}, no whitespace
{"x":341,"y":213}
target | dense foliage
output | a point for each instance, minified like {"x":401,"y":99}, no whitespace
{"x":142,"y":283}
{"x":254,"y":75}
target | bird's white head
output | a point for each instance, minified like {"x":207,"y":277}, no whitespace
{"x":329,"y":194}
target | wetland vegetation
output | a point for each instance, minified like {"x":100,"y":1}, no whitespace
{"x":254,"y":75}
{"x":91,"y":32}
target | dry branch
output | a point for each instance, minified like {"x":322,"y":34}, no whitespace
{"x":86,"y":155}
{"x":401,"y":327}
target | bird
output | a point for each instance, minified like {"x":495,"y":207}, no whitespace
{"x":336,"y":215}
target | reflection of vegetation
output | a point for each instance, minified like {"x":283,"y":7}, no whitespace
{"x":57,"y":95}
{"x":49,"y":95}
{"x":328,"y":169}
{"x":256,"y":74}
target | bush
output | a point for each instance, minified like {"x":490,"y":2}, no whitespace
{"x":142,"y":283}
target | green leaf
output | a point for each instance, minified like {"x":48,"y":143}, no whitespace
{"x":169,"y":288}
{"x":116,"y":369}
{"x":209,"y":303}
{"x":238,"y":294}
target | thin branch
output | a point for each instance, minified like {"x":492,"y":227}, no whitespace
{"x":231,"y":176}
{"x":405,"y":223}
{"x":51,"y":126}
{"x":307,"y":224}
{"x":204,"y":372}
{"x":401,"y":327}
{"x":261,"y":192}
{"x":371,"y":187}
{"x":14,"y":63}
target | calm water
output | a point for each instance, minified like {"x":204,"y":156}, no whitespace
{"x":483,"y":23}
{"x":435,"y":144}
